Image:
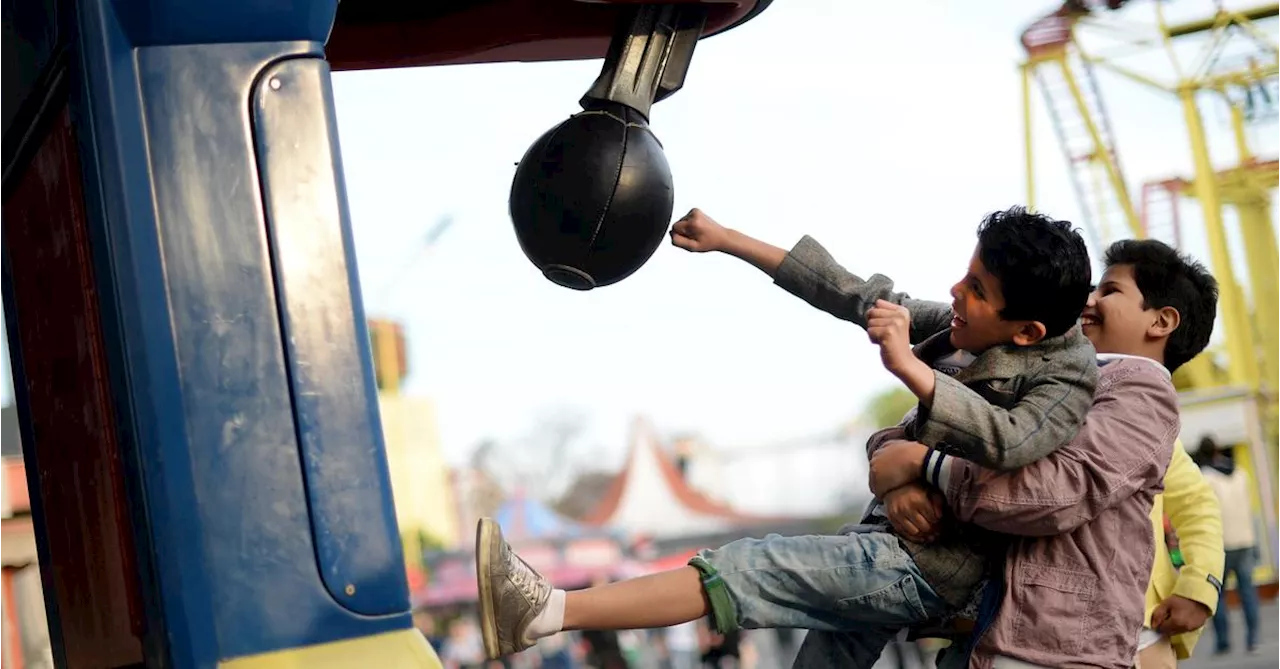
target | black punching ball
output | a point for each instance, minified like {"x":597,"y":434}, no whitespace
{"x":592,"y":198}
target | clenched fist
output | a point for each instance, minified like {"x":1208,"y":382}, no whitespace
{"x":1177,"y":615}
{"x":889,"y":327}
{"x":698,"y":233}
{"x":896,"y":464}
{"x":914,"y":511}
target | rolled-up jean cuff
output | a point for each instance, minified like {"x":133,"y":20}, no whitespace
{"x":724,"y":613}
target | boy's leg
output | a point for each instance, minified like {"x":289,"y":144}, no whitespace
{"x":860,"y":649}
{"x":518,"y":606}
{"x":811,"y":582}
{"x":816,"y":582}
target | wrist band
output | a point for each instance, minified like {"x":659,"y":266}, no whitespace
{"x":937,"y":467}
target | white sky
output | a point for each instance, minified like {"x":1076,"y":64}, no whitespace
{"x":886,"y":132}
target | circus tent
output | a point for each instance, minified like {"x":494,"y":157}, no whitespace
{"x":651,"y":498}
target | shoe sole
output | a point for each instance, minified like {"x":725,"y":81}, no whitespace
{"x":486,"y":530}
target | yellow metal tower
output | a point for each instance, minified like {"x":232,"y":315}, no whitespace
{"x":1223,"y":59}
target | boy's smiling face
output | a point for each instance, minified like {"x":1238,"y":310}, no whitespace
{"x":1117,"y":320}
{"x":977,"y":301}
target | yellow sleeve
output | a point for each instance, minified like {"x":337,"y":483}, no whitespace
{"x":1194,"y":512}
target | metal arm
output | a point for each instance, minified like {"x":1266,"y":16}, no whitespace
{"x":648,"y":56}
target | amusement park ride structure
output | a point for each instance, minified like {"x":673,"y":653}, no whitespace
{"x":1226,"y":57}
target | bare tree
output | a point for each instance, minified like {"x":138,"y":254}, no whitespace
{"x":583,"y":495}
{"x":541,"y":463}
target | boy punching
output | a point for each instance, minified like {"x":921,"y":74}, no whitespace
{"x":1075,"y":583}
{"x":1004,"y":377}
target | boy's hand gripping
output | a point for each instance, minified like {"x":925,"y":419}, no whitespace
{"x":1177,"y":615}
{"x":889,"y":326}
{"x":914,"y":512}
{"x":896,"y":464}
{"x":699,"y":233}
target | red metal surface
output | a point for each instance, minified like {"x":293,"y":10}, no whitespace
{"x":1155,"y":193}
{"x":1052,"y":32}
{"x":496,"y":31}
{"x":76,"y":460}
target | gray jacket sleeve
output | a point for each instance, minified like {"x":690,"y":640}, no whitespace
{"x":810,"y":273}
{"x":1052,"y":403}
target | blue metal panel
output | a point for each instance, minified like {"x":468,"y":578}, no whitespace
{"x":234,"y":386}
{"x":334,"y":394}
{"x":167,"y":22}
{"x":197,"y":330}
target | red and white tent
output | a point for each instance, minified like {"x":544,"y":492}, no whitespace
{"x":651,"y":498}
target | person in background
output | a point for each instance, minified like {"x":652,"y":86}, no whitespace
{"x":463,"y":648}
{"x":682,"y":645}
{"x":555,"y":651}
{"x":1182,"y":594}
{"x":1232,"y":489}
{"x":603,"y":649}
{"x":723,"y":651}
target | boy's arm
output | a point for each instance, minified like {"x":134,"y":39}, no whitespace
{"x":1046,"y":416}
{"x":1124,"y":446}
{"x":885,"y":436}
{"x":1195,"y":514}
{"x":810,"y":273}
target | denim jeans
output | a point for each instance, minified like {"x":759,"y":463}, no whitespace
{"x":860,"y":648}
{"x":1241,"y":562}
{"x":862,"y":582}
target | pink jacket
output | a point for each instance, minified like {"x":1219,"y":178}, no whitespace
{"x":1077,"y":575}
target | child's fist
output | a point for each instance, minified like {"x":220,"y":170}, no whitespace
{"x":697,"y":232}
{"x":914,"y":512}
{"x":894,"y":465}
{"x":889,"y":326}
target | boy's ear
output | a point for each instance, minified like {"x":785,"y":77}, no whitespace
{"x":1031,"y":332}
{"x":1167,"y":320}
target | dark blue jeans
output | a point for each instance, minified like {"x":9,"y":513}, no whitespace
{"x":1240,"y":561}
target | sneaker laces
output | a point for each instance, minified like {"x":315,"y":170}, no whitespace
{"x":525,"y":578}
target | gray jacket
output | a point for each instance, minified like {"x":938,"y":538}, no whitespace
{"x":1011,"y":406}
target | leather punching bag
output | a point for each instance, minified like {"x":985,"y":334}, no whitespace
{"x":592,"y":198}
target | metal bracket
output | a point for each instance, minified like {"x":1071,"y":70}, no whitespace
{"x":648,"y":56}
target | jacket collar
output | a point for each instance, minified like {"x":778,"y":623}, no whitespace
{"x":1104,"y":358}
{"x":1000,"y":362}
